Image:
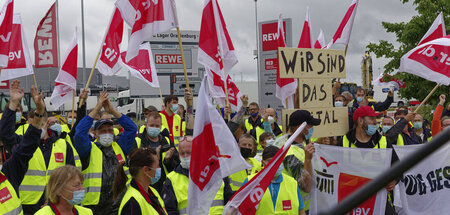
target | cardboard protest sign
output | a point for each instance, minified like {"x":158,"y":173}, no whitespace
{"x":315,"y":93}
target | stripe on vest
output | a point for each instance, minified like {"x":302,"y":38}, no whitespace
{"x":16,"y":211}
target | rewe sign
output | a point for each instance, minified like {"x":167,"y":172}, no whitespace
{"x":269,"y":36}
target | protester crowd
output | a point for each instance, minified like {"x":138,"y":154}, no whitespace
{"x":95,"y":165}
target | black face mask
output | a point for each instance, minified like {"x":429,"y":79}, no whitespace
{"x":245,"y":152}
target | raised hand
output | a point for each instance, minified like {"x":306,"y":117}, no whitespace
{"x":38,"y":100}
{"x":16,"y":94}
{"x":83,"y":96}
{"x":442,"y":99}
{"x":244,"y":99}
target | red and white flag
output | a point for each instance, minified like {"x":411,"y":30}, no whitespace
{"x":306,"y":39}
{"x":320,"y":43}
{"x":437,"y":30}
{"x":247,"y":198}
{"x":66,"y":81}
{"x":151,"y":17}
{"x":46,"y":41}
{"x":430,"y":61}
{"x":216,"y":50}
{"x":286,"y":87}
{"x":342,"y":35}
{"x":109,"y":57}
{"x":142,"y":66}
{"x":391,"y":81}
{"x":19,"y":61}
{"x":217,"y":90}
{"x":6,"y":23}
{"x":215,"y":155}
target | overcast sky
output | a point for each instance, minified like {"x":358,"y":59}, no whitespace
{"x":240,"y":19}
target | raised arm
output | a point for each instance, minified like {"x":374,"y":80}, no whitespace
{"x":188,"y":98}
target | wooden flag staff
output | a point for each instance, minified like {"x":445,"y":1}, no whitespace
{"x":73,"y":107}
{"x":426,"y":98}
{"x":90,"y":77}
{"x":183,"y":61}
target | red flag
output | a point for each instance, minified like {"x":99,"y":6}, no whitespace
{"x":437,"y":30}
{"x":286,"y":87}
{"x":46,"y":41}
{"x":6,"y":23}
{"x":19,"y":63}
{"x":320,"y":43}
{"x":216,"y":50}
{"x":306,"y":40}
{"x":429,"y":61}
{"x":152,"y":17}
{"x":397,"y":83}
{"x":247,"y":198}
{"x":67,"y":77}
{"x":217,"y":90}
{"x":109,"y":56}
{"x":215,"y":155}
{"x":142,"y":66}
{"x":342,"y":35}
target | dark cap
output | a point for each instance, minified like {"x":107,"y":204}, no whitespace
{"x":151,"y":108}
{"x":300,"y":116}
{"x":364,"y":111}
{"x":270,"y":152}
{"x":101,"y":122}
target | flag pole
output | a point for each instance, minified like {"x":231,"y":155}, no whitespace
{"x":73,"y":107}
{"x":182,"y":57}
{"x":90,"y":77}
{"x":345,"y":54}
{"x":160,"y":95}
{"x":426,"y":98}
{"x":34,"y":80}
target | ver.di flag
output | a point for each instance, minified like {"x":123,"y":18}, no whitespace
{"x":108,"y":63}
{"x":6,"y":23}
{"x":320,"y":43}
{"x":215,"y":155}
{"x":342,"y":35}
{"x":339,"y":171}
{"x":66,"y":81}
{"x":46,"y":41}
{"x":142,"y":66}
{"x":19,"y":61}
{"x":425,"y":188}
{"x":437,"y":30}
{"x":217,"y":90}
{"x":306,"y":39}
{"x":392,"y":82}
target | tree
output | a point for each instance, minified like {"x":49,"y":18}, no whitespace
{"x":408,"y":36}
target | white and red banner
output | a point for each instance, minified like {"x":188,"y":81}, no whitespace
{"x":430,"y":61}
{"x":425,"y":188}
{"x":6,"y":23}
{"x":342,"y":35}
{"x":391,"y":81}
{"x":142,"y":66}
{"x":216,"y":50}
{"x":306,"y":39}
{"x":437,"y":30}
{"x":147,"y":18}
{"x":19,"y":61}
{"x":247,"y":198}
{"x":339,"y":171}
{"x":320,"y":43}
{"x":215,"y":155}
{"x":217,"y":90}
{"x":66,"y":81}
{"x":46,"y":41}
{"x":286,"y":87}
{"x":110,"y":53}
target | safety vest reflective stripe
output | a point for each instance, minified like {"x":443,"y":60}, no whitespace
{"x":11,"y":205}
{"x":92,"y":175}
{"x":93,"y":189}
{"x":35,"y":173}
{"x":16,"y":211}
{"x":213,"y":204}
{"x":31,"y":188}
{"x":236,"y":183}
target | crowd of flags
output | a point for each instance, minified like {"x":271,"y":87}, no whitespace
{"x":216,"y":53}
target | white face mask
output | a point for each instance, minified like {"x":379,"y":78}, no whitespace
{"x":43,"y":132}
{"x":185,"y":162}
{"x":106,"y":139}
{"x":271,"y":119}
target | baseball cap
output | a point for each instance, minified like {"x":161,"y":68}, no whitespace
{"x":101,"y":122}
{"x":364,"y":111}
{"x":151,"y":108}
{"x":300,"y":116}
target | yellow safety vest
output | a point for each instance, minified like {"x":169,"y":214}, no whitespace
{"x":258,"y":132}
{"x":382,"y":144}
{"x":37,"y":175}
{"x":48,"y":210}
{"x":22,"y":129}
{"x":287,"y":199}
{"x":249,"y":126}
{"x":400,"y":141}
{"x":93,"y":173}
{"x":299,"y":153}
{"x":65,"y":128}
{"x":180,"y":184}
{"x":176,"y":127}
{"x":10,"y":204}
{"x":146,"y":208}
{"x":138,"y":144}
{"x":238,"y":178}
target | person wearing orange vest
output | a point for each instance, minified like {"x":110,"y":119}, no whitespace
{"x":170,"y":119}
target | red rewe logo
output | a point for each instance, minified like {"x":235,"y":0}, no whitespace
{"x":434,"y":57}
{"x":287,"y":205}
{"x":326,"y":163}
{"x":59,"y":157}
{"x":5,"y":195}
{"x":120,"y":158}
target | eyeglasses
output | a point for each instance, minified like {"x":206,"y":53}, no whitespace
{"x":187,"y":138}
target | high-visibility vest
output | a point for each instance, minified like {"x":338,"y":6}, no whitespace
{"x":37,"y":175}
{"x":138,"y":144}
{"x":146,"y":208}
{"x":180,"y":184}
{"x":400,"y":141}
{"x":76,"y":157}
{"x":47,"y":210}
{"x":299,"y":153}
{"x":22,"y":129}
{"x":177,"y":127}
{"x":142,"y":129}
{"x":249,"y":126}
{"x":258,"y":132}
{"x":93,"y":173}
{"x":382,"y":143}
{"x":65,"y":128}
{"x":287,"y":200}
{"x":238,"y":178}
{"x":10,"y":204}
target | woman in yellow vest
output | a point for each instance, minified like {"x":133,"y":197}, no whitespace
{"x":64,"y":192}
{"x":139,"y":197}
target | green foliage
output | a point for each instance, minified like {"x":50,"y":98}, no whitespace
{"x":408,"y":36}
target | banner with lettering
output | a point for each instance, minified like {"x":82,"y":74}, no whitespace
{"x":46,"y":41}
{"x":339,"y":171}
{"x":425,"y":188}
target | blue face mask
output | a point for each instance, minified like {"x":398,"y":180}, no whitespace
{"x":371,"y":129}
{"x":77,"y":198}
{"x":153,"y":132}
{"x":359,"y":99}
{"x":70,"y":122}
{"x":310,"y":133}
{"x":338,"y":104}
{"x":18,"y":117}
{"x":174,"y":108}
{"x":417,"y":125}
{"x":56,"y":127}
{"x":254,"y":114}
{"x":386,"y":128}
{"x":279,"y":170}
{"x":157,"y":176}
